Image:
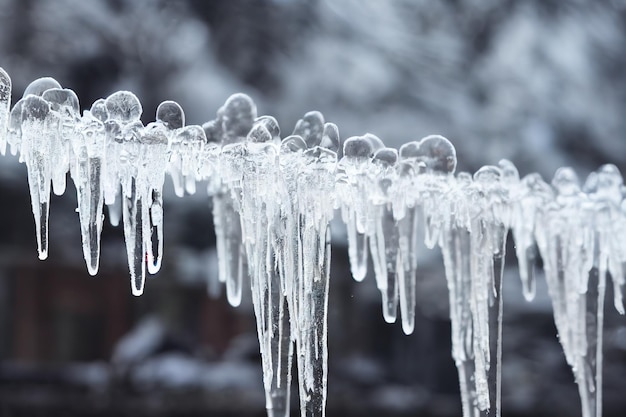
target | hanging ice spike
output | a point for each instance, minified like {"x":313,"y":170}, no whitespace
{"x":5,"y":106}
{"x":272,"y":203}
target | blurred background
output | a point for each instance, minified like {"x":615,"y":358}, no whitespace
{"x":541,"y":82}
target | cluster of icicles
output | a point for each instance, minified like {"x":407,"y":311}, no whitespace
{"x":273,"y":200}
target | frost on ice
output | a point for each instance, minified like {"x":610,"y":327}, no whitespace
{"x":274,"y":196}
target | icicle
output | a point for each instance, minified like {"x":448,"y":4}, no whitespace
{"x":570,"y":247}
{"x":273,"y":202}
{"x":5,"y":107}
{"x":309,"y":299}
{"x":473,"y":244}
{"x":65,"y":115}
{"x":352,"y":183}
{"x":124,"y":111}
{"x":262,"y":234}
{"x":35,"y":134}
{"x":233,"y":123}
{"x":532,"y":194}
{"x":488,"y":242}
{"x":14,"y":134}
{"x":310,"y":128}
{"x":357,"y":250}
{"x":387,"y":234}
{"x":429,"y":163}
{"x":89,"y":148}
{"x":154,"y":142}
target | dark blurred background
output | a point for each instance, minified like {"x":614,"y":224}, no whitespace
{"x":541,"y":82}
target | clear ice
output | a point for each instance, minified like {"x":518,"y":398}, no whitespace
{"x":273,"y":198}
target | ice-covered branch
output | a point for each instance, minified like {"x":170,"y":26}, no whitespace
{"x":273,"y":200}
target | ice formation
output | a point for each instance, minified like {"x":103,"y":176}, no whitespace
{"x":273,"y":199}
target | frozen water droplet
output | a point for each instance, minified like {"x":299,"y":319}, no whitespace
{"x":40,"y":85}
{"x":609,"y":177}
{"x":410,"y":151}
{"x":438,"y":153}
{"x":375,"y":141}
{"x":259,"y":134}
{"x":565,"y":182}
{"x":386,"y":157}
{"x":310,"y":128}
{"x":509,"y":172}
{"x":357,"y":147}
{"x":331,"y":139}
{"x":35,"y":109}
{"x":62,"y":99}
{"x":271,"y":125}
{"x":192,"y":135}
{"x":537,"y":186}
{"x":99,"y":110}
{"x":487,"y":175}
{"x":237,"y":116}
{"x":171,"y":115}
{"x":123,"y":107}
{"x":293,"y":143}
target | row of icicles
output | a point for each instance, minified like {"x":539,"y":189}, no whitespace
{"x":273,"y":199}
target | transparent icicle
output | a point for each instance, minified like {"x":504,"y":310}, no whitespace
{"x":171,"y":116}
{"x":273,"y":202}
{"x":263,"y":232}
{"x":35,"y":135}
{"x":235,"y":267}
{"x":575,"y":236}
{"x":488,"y":243}
{"x":5,"y":107}
{"x":309,"y":308}
{"x":290,"y":256}
{"x":154,"y":141}
{"x":89,"y":150}
{"x":352,"y":183}
{"x":124,"y":111}
{"x":387,"y":235}
{"x":234,"y":121}
{"x":65,"y":115}
{"x":533,"y":193}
